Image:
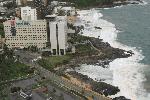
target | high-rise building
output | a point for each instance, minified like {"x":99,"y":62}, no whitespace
{"x":27,"y":13}
{"x":58,"y":34}
{"x":20,"y":33}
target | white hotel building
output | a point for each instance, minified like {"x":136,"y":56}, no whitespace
{"x":26,"y":32}
{"x":20,"y":33}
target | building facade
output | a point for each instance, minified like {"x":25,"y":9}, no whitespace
{"x":23,"y":2}
{"x":22,"y":34}
{"x":27,"y":13}
{"x":58,"y":33}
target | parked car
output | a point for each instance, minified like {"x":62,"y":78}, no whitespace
{"x":26,"y":94}
{"x":50,"y":98}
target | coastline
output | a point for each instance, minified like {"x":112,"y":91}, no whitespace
{"x":112,"y":40}
{"x":106,"y":48}
{"x":108,"y":89}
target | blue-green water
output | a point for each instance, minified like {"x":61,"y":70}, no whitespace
{"x":134,"y":24}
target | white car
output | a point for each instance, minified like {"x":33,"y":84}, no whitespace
{"x":50,"y":98}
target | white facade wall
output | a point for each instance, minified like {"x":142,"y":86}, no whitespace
{"x":53,"y":38}
{"x":62,"y":36}
{"x":28,"y":14}
{"x":18,"y":2}
{"x":33,"y":33}
{"x":58,"y":37}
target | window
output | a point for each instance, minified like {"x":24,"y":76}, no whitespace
{"x":62,"y":51}
{"x":54,"y":51}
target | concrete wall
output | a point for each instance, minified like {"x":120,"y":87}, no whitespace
{"x":62,"y":36}
{"x":53,"y":38}
{"x":58,"y":37}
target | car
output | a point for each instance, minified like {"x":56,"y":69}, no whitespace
{"x":26,"y":95}
{"x":50,"y":98}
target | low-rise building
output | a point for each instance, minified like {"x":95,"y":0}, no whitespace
{"x":27,"y":13}
{"x":22,"y":34}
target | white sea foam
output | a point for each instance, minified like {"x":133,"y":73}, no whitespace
{"x":96,"y":72}
{"x":127,"y":72}
{"x":144,"y":3}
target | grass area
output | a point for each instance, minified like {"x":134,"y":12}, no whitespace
{"x":85,"y":49}
{"x":78,"y":39}
{"x":13,"y":70}
{"x":8,"y":71}
{"x":4,"y":91}
{"x":54,"y":61}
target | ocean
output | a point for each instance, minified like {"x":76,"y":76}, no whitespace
{"x":126,"y":27}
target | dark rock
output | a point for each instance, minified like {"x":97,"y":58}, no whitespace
{"x":97,"y":27}
{"x":100,"y":87}
{"x":110,"y":52}
{"x":120,"y":98}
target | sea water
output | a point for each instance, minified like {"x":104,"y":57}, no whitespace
{"x":126,"y":27}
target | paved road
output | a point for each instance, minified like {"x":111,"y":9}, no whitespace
{"x":36,"y":95}
{"x":66,"y":85}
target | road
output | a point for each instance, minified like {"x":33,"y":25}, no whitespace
{"x":64,"y":85}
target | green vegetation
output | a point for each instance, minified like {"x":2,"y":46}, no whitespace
{"x":4,"y":88}
{"x":35,"y":86}
{"x":84,"y":48}
{"x":78,"y":39}
{"x":54,"y":61}
{"x":2,"y":30}
{"x":31,"y":48}
{"x":88,"y":3}
{"x":10,"y":68}
{"x":82,"y":44}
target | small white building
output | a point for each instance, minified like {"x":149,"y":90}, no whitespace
{"x":27,"y":13}
{"x":54,"y":3}
{"x":58,"y":33}
{"x":70,"y":10}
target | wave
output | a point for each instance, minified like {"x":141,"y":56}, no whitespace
{"x":127,"y":72}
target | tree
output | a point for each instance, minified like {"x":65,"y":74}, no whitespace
{"x":2,"y":33}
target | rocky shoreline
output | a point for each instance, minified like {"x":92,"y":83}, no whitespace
{"x":102,"y":58}
{"x":105,"y":54}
